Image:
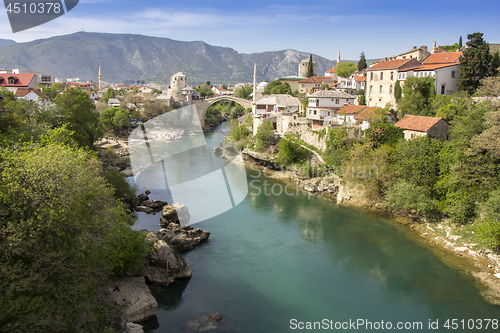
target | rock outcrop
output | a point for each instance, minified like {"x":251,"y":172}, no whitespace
{"x":165,"y":265}
{"x":146,"y":205}
{"x":133,"y":296}
{"x":134,"y":328}
{"x":182,"y":238}
{"x":174,"y":213}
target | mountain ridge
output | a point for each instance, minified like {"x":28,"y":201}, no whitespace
{"x":153,"y":59}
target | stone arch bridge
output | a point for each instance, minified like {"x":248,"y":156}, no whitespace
{"x":202,"y":105}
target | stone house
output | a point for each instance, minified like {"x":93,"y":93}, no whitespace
{"x":314,"y":83}
{"x":325,"y":103}
{"x":381,"y":79}
{"x":417,"y":126}
{"x":359,"y":116}
{"x":269,"y":107}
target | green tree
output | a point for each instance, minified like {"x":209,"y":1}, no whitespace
{"x":362,"y":62}
{"x":460,"y":42}
{"x":345,"y":69}
{"x":110,"y":93}
{"x":243,"y":92}
{"x":405,"y":198}
{"x":380,"y":133}
{"x":64,"y":236}
{"x":277,"y":87}
{"x":121,"y":119}
{"x":361,"y":97}
{"x":79,"y":113}
{"x":310,"y":66}
{"x":264,"y":136}
{"x":398,"y":91}
{"x":475,"y":63}
{"x":417,"y":95}
{"x":338,"y":146}
{"x":290,"y":153}
{"x":106,"y":117}
{"x":495,"y":62}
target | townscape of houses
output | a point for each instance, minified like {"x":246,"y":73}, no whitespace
{"x":332,"y":100}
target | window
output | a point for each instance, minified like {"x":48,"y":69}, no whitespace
{"x":390,"y":89}
{"x":371,"y":89}
{"x":381,"y":75}
{"x":315,"y":112}
{"x":380,"y":90}
{"x":337,"y":101}
{"x":12,"y":81}
{"x":453,"y":74}
{"x":392,"y":76}
{"x":371,"y":76}
{"x":442,"y":89}
{"x":261,"y":107}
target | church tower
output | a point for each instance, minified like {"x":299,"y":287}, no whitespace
{"x":100,"y":78}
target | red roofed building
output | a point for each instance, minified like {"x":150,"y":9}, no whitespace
{"x":314,"y":83}
{"x":15,"y":81}
{"x":382,"y":77}
{"x":29,"y":94}
{"x":359,"y":116}
{"x":416,"y":126}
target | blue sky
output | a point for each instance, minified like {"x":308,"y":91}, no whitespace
{"x":378,"y":28}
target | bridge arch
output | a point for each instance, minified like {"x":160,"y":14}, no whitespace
{"x":202,"y":106}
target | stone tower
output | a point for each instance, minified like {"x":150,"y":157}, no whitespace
{"x":100,"y":78}
{"x":177,"y":83}
{"x":303,"y":68}
{"x":338,"y":56}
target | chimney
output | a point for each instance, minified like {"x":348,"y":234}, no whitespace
{"x":414,"y":47}
{"x":385,"y":58}
{"x":440,"y":49}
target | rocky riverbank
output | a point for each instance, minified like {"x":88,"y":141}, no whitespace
{"x":451,"y":245}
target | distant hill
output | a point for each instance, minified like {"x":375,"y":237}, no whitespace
{"x":134,"y":57}
{"x":4,"y":42}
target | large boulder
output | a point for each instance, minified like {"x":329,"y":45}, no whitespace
{"x":182,"y":238}
{"x":154,"y":204}
{"x":133,"y":296}
{"x":134,"y":328}
{"x":175,"y":212}
{"x":165,"y":265}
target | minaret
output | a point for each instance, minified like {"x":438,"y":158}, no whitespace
{"x":254,"y":81}
{"x":338,"y":56}
{"x":100,"y":78}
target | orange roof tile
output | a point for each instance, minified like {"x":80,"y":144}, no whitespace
{"x":333,"y":70}
{"x":417,"y":123}
{"x":368,"y":113}
{"x":316,"y":79}
{"x":443,"y":58}
{"x":359,"y":78}
{"x":429,"y":67}
{"x":393,"y":64}
{"x":355,"y":109}
{"x":21,"y":80}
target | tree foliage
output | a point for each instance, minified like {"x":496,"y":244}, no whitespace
{"x":243,"y":92}
{"x":110,"y":93}
{"x":277,"y":87}
{"x":264,"y":136}
{"x":362,"y":62}
{"x":417,"y":95}
{"x":290,"y":153}
{"x":79,"y":113}
{"x":344,"y":69}
{"x":475,"y":63}
{"x":63,"y":234}
{"x":310,"y":66}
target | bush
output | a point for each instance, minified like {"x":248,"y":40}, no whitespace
{"x":406,"y":198}
{"x":290,"y":153}
{"x":264,"y":135}
{"x":489,"y":232}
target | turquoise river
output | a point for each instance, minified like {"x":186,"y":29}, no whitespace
{"x":277,"y":262}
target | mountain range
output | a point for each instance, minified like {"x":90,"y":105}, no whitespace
{"x":152,"y":59}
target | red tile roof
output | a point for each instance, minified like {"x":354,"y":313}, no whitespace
{"x":417,"y":123}
{"x":429,"y":67}
{"x":316,"y":79}
{"x":443,"y":58}
{"x":21,"y":92}
{"x":368,"y":112}
{"x":355,"y":109}
{"x":333,"y":70}
{"x":21,"y":80}
{"x":359,"y":78}
{"x":393,"y":64}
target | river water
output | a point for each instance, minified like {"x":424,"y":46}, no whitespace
{"x":278,"y":259}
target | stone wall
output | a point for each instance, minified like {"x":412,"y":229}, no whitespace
{"x":314,"y":140}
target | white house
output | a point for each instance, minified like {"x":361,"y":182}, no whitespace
{"x":113,"y":102}
{"x":324,"y":103}
{"x":269,"y":107}
{"x":29,"y":94}
{"x":218,"y":91}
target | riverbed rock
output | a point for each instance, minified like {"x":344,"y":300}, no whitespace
{"x":142,"y":197}
{"x":182,"y":238}
{"x":134,"y":328}
{"x":165,"y":265}
{"x":218,"y":150}
{"x":155,"y":204}
{"x":144,"y":209}
{"x":133,"y":296}
{"x":204,"y":324}
{"x":175,"y":212}
{"x":214,"y":317}
{"x":128,"y":172}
